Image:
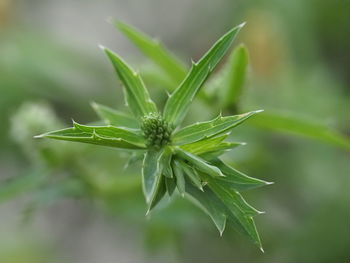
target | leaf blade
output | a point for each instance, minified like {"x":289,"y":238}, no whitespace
{"x":209,"y":203}
{"x":137,"y":96}
{"x":151,"y":174}
{"x":208,"y":129}
{"x":180,"y":178}
{"x":234,"y":76}
{"x":114,"y":117}
{"x":99,"y":135}
{"x":155,"y":51}
{"x":210,"y":146}
{"x":290,"y":124}
{"x":240,"y":209}
{"x":236,"y":179}
{"x":192,"y":175}
{"x":199,"y":163}
{"x":179,"y":101}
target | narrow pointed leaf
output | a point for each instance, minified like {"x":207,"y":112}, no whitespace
{"x":208,"y":129}
{"x":135,"y":157}
{"x":180,"y":100}
{"x":166,"y":162}
{"x":192,"y":175}
{"x":210,"y":145}
{"x":199,"y":163}
{"x":179,"y":175}
{"x":100,"y":135}
{"x":248,"y":228}
{"x":202,"y":145}
{"x":231,"y":197}
{"x":151,"y":174}
{"x":236,"y":179}
{"x":159,"y":194}
{"x":137,"y":96}
{"x":240,"y":209}
{"x":170,"y":184}
{"x":155,"y":51}
{"x":235,"y":75}
{"x":289,"y":124}
{"x":115,"y":117}
{"x":209,"y":203}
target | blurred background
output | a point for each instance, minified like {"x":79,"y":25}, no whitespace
{"x":65,"y":202}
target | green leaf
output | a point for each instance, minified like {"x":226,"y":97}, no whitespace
{"x":151,"y":174}
{"x":209,"y":203}
{"x":240,"y":209}
{"x":210,"y":145}
{"x":199,"y":163}
{"x":180,"y":100}
{"x":155,"y":51}
{"x":134,"y":158}
{"x":158,"y":196}
{"x":193,"y":175}
{"x":208,"y":129}
{"x":114,"y":117}
{"x":234,"y":77}
{"x":236,"y":179}
{"x":137,"y":96}
{"x":230,"y":196}
{"x":170,"y":184}
{"x":179,"y":175}
{"x":166,"y":162}
{"x":100,"y":135}
{"x":295,"y":125}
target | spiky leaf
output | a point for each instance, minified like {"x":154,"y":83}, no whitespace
{"x":209,"y":203}
{"x":236,"y":179}
{"x":208,"y":129}
{"x":151,"y":174}
{"x":100,"y":135}
{"x":289,"y":124}
{"x":180,"y":100}
{"x":199,"y":163}
{"x":170,"y":184}
{"x":235,"y":74}
{"x":210,"y":145}
{"x":180,"y":178}
{"x":114,"y":117}
{"x":166,"y":162}
{"x":192,"y":175}
{"x":137,"y":96}
{"x":159,"y":194}
{"x":240,"y":209}
{"x":155,"y":51}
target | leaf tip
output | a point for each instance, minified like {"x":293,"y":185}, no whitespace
{"x":94,"y":105}
{"x":258,"y":111}
{"x":261,"y":249}
{"x":39,"y":136}
{"x":242,"y":24}
{"x":102,"y":47}
{"x":110,"y":20}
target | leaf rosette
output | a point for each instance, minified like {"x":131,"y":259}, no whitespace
{"x":176,"y":157}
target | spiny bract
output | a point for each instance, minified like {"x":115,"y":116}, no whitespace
{"x":186,"y":159}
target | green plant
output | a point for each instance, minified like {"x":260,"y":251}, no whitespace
{"x":182,"y":158}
